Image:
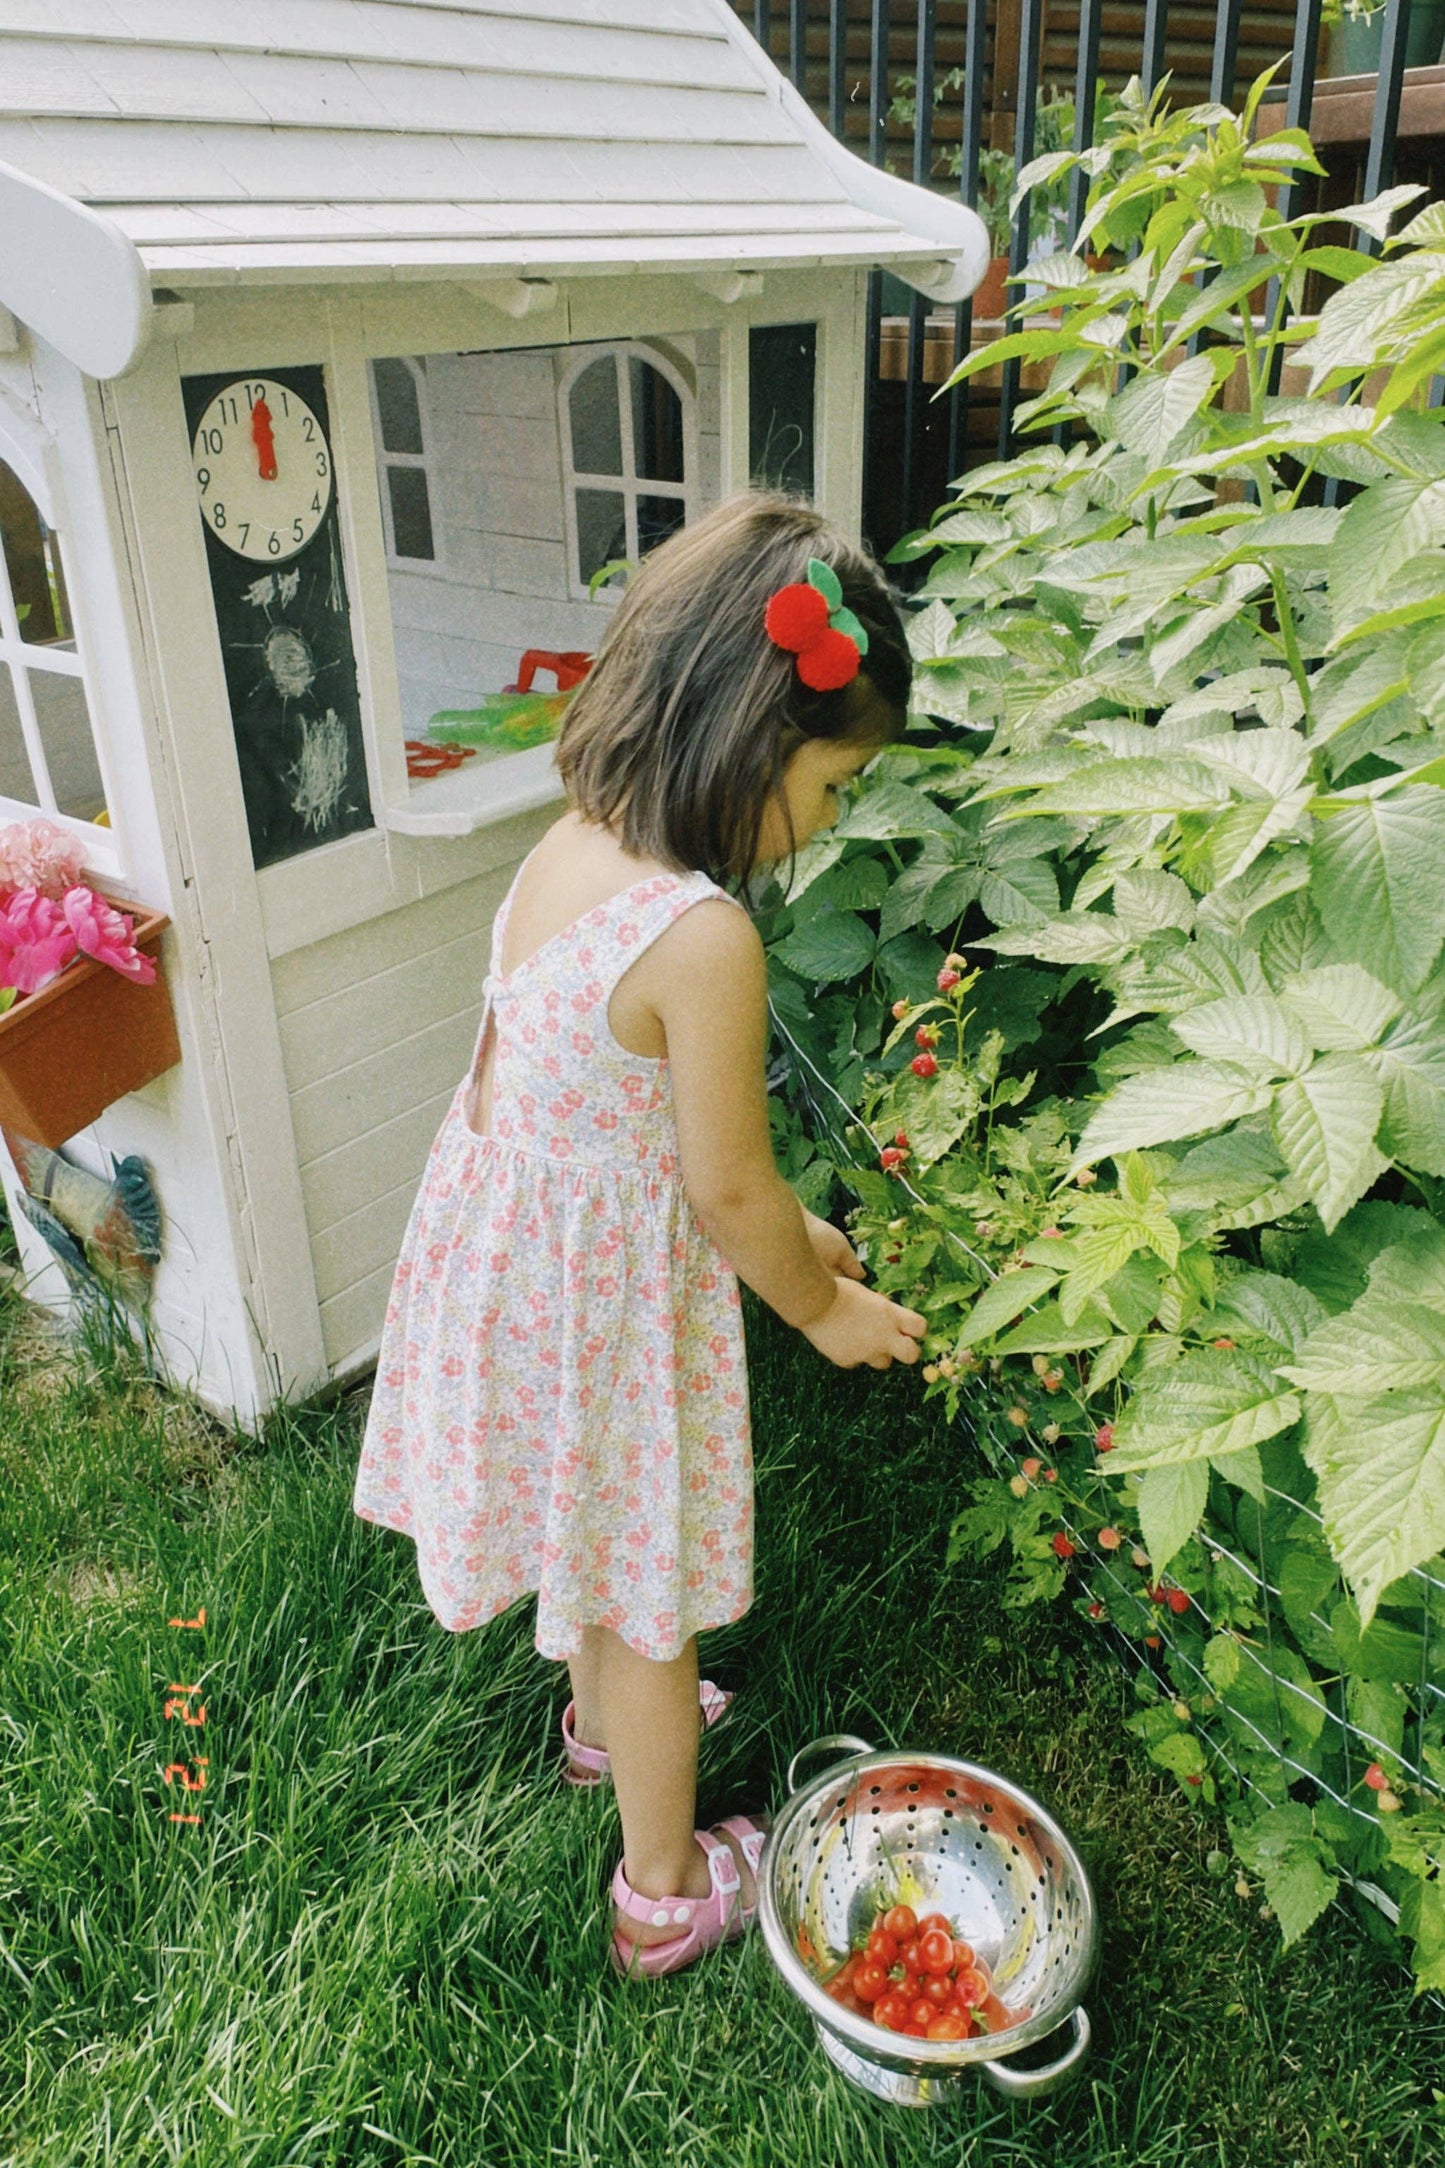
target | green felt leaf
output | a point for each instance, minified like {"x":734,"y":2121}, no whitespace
{"x":844,"y":621}
{"x":827,"y":582}
{"x":1171,"y":1500}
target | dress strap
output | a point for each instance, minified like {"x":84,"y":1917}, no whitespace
{"x":641,"y":918}
{"x":494,"y":972}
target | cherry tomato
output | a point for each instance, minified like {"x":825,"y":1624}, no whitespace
{"x":972,"y":1987}
{"x":884,"y":1947}
{"x":916,"y":2032}
{"x":902,"y":1921}
{"x":938,"y":1989}
{"x":912,"y":1953}
{"x":962,"y":1954}
{"x":947,"y":2026}
{"x":921,"y":2011}
{"x":935,"y":1950}
{"x":870,"y":1981}
{"x":891,"y":2011}
{"x":931,"y":1920}
{"x":912,"y":1980}
{"x":994,"y":2014}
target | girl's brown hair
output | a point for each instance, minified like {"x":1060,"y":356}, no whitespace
{"x":680,"y":733}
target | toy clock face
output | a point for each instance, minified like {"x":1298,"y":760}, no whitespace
{"x":263,"y":469}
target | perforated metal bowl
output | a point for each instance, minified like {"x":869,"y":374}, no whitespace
{"x":941,"y":1835}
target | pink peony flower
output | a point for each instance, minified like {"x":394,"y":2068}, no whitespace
{"x":106,"y":935}
{"x":36,"y":943}
{"x":39,"y":854}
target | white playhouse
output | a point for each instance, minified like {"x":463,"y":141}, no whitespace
{"x":345,"y":345}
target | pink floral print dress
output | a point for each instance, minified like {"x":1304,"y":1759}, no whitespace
{"x":561,"y":1394}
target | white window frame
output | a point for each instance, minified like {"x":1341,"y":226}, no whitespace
{"x":629,"y":485}
{"x":31,"y":457}
{"x":423,"y":459}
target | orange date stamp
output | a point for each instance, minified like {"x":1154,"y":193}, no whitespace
{"x":178,"y":1710}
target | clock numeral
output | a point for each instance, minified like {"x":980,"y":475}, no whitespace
{"x":218,"y":513}
{"x":254,"y":392}
{"x":310,"y":428}
{"x":214,"y":442}
{"x":203,"y":479}
{"x":322,"y":466}
{"x":274,"y":545}
{"x":281,"y":395}
{"x":223,"y":403}
{"x":316,"y":502}
{"x":298,"y":531}
{"x":245,"y":530}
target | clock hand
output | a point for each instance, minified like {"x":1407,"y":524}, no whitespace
{"x":264,"y":439}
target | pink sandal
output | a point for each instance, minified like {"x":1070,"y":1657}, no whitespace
{"x":719,"y":1917}
{"x":589,"y":1766}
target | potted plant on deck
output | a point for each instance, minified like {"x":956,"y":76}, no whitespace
{"x":85,"y":1016}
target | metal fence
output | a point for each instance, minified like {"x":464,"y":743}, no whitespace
{"x":915,"y":443}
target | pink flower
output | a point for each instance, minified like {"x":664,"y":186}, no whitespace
{"x":38,"y":854}
{"x":106,"y":935}
{"x":36,"y":944}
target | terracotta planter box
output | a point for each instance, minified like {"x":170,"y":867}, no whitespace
{"x":83,"y":1041}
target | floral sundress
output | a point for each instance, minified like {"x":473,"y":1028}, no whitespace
{"x":561,"y":1398}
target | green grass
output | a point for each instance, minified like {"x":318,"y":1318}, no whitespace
{"x":386,"y":1941}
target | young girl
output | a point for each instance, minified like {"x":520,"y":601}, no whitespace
{"x":561,"y":1393}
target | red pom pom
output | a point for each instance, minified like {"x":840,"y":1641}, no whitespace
{"x":831,"y":662}
{"x":796,"y":616}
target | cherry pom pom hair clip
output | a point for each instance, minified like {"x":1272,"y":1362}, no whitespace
{"x":809,"y":620}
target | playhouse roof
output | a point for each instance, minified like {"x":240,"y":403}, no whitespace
{"x":331,"y":139}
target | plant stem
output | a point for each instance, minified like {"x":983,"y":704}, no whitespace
{"x":1291,"y":641}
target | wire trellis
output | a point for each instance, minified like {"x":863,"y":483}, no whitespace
{"x":1005,"y":1452}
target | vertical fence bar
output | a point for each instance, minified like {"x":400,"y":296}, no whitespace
{"x":970,"y":146}
{"x":1030,"y":26}
{"x":877,"y":150}
{"x":798,"y":44}
{"x":1156,"y":29}
{"x":1226,"y":52}
{"x":1299,"y":105}
{"x":1086,"y":82}
{"x":918,"y":306}
{"x":763,"y":23}
{"x":838,"y":67}
{"x":1380,"y":160}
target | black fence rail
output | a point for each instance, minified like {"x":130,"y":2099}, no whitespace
{"x":959,"y":94}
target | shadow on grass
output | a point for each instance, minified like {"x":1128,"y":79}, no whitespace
{"x":385,"y":1939}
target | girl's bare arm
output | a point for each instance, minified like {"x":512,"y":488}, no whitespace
{"x":710,"y":994}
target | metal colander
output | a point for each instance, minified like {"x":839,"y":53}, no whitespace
{"x":941,"y":1835}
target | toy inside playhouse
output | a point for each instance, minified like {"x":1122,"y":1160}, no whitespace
{"x":517,"y":488}
{"x":47,"y":747}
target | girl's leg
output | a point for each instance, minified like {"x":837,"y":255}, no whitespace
{"x":650,"y":1715}
{"x":585,"y":1672}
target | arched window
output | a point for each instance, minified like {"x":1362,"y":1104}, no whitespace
{"x":48,"y":756}
{"x":397,"y":389}
{"x":627,"y":425}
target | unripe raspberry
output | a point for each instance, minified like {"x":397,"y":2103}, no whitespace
{"x":947,"y":1367}
{"x":1109,"y":1539}
{"x":1018,"y":1484}
{"x":1050,"y":1434}
{"x":1085,"y":1176}
{"x":1040,"y":1365}
{"x":1141,"y":1558}
{"x":1182,"y":1711}
{"x":1242,"y":1888}
{"x":1388,"y":1803}
{"x":1031,"y":1466}
{"x":1052,"y":1380}
{"x":955,"y":963}
{"x":1019,"y":1417}
{"x":924,"y":1065}
{"x":900,"y":1010}
{"x":930,"y":1373}
{"x":1192,"y":1778}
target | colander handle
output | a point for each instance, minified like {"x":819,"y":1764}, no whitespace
{"x":818,"y":1746}
{"x":1021,"y":2084}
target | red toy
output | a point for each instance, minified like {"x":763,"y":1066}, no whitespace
{"x":569,"y":669}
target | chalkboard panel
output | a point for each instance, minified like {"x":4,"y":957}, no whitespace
{"x":285,"y":631}
{"x":782,"y":372}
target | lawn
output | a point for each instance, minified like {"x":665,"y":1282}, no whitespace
{"x":385,"y":1942}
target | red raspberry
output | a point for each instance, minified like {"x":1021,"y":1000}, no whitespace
{"x":947,"y":978}
{"x":1152,"y":1641}
{"x":890,"y":1159}
{"x":900,"y":1138}
{"x":1096,"y":1610}
{"x":1031,"y":1467}
{"x":1376,"y":1778}
{"x":1178,"y":1601}
{"x":1221,"y":1343}
{"x":1051,"y":1475}
{"x":1062,"y":1546}
{"x":925,"y":1036}
{"x":1155,"y":1592}
{"x":1104,"y":1437}
{"x":1194,"y":1780}
{"x":924,"y":1065}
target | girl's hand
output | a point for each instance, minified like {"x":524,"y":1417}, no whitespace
{"x":862,"y":1326}
{"x":833,"y":1247}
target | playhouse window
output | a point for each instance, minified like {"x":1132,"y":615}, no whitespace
{"x":48,"y":756}
{"x":624,"y":430}
{"x":406,"y":498}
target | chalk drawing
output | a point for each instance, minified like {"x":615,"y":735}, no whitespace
{"x":317,"y":777}
{"x":289,"y":661}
